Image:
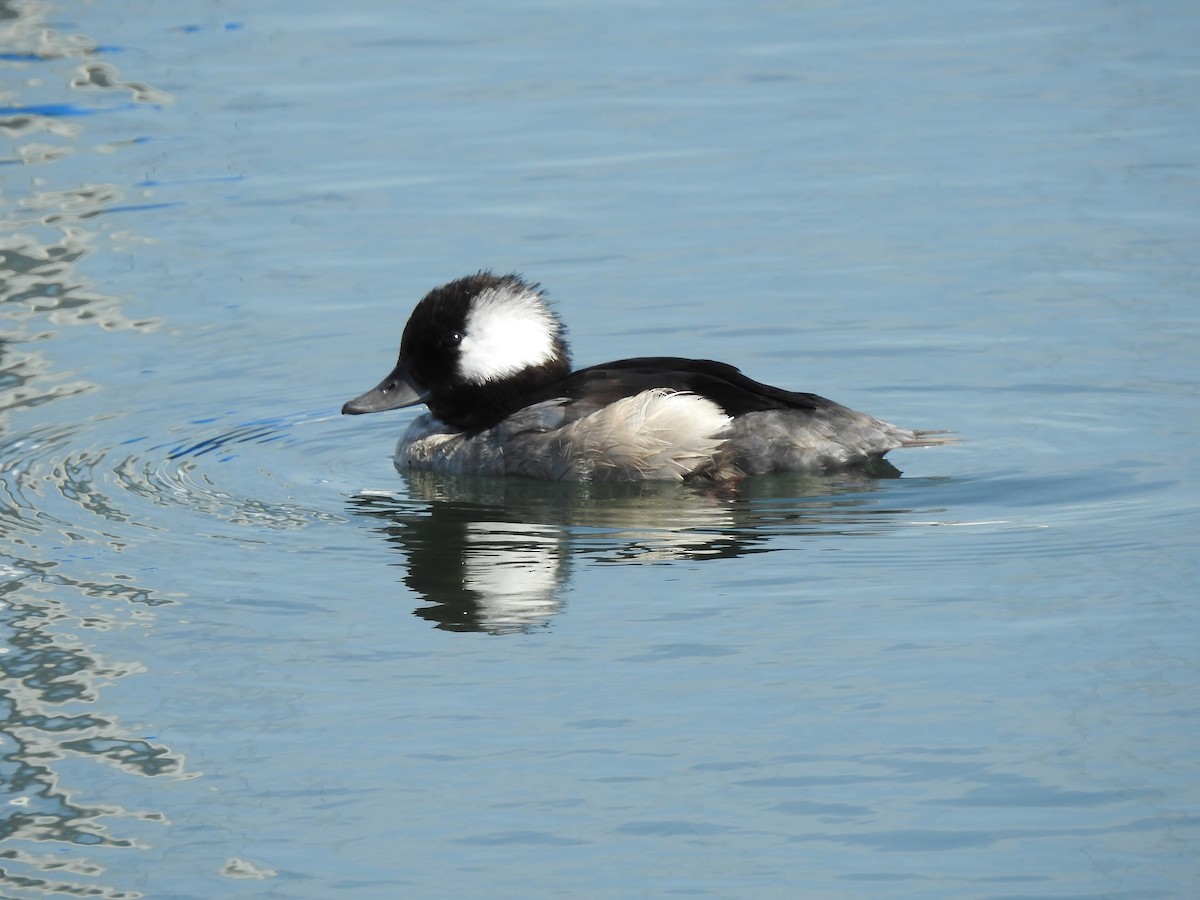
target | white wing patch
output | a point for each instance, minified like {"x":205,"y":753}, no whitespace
{"x":656,"y":435}
{"x":507,"y":330}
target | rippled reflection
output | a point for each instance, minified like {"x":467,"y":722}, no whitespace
{"x":50,"y":713}
{"x":493,"y":554}
{"x":55,"y":492}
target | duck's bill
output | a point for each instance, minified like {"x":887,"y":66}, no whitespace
{"x":395,"y":391}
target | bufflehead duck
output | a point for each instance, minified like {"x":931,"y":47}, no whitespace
{"x":489,"y":359}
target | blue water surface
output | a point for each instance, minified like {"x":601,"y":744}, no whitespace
{"x":243,"y":657}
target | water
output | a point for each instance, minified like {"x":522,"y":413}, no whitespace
{"x":244,"y":658}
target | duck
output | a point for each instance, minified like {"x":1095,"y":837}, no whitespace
{"x":488,"y":357}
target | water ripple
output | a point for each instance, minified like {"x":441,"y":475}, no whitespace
{"x":47,"y":479}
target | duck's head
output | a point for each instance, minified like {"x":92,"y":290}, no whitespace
{"x":473,"y":351}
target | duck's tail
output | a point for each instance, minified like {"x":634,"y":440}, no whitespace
{"x":936,"y":438}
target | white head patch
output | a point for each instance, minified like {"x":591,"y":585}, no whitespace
{"x":507,"y":329}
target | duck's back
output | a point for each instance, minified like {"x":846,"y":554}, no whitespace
{"x":723,"y":384}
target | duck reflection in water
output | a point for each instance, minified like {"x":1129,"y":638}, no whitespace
{"x":494,"y":555}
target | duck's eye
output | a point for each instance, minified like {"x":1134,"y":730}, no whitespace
{"x":452,"y":339}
